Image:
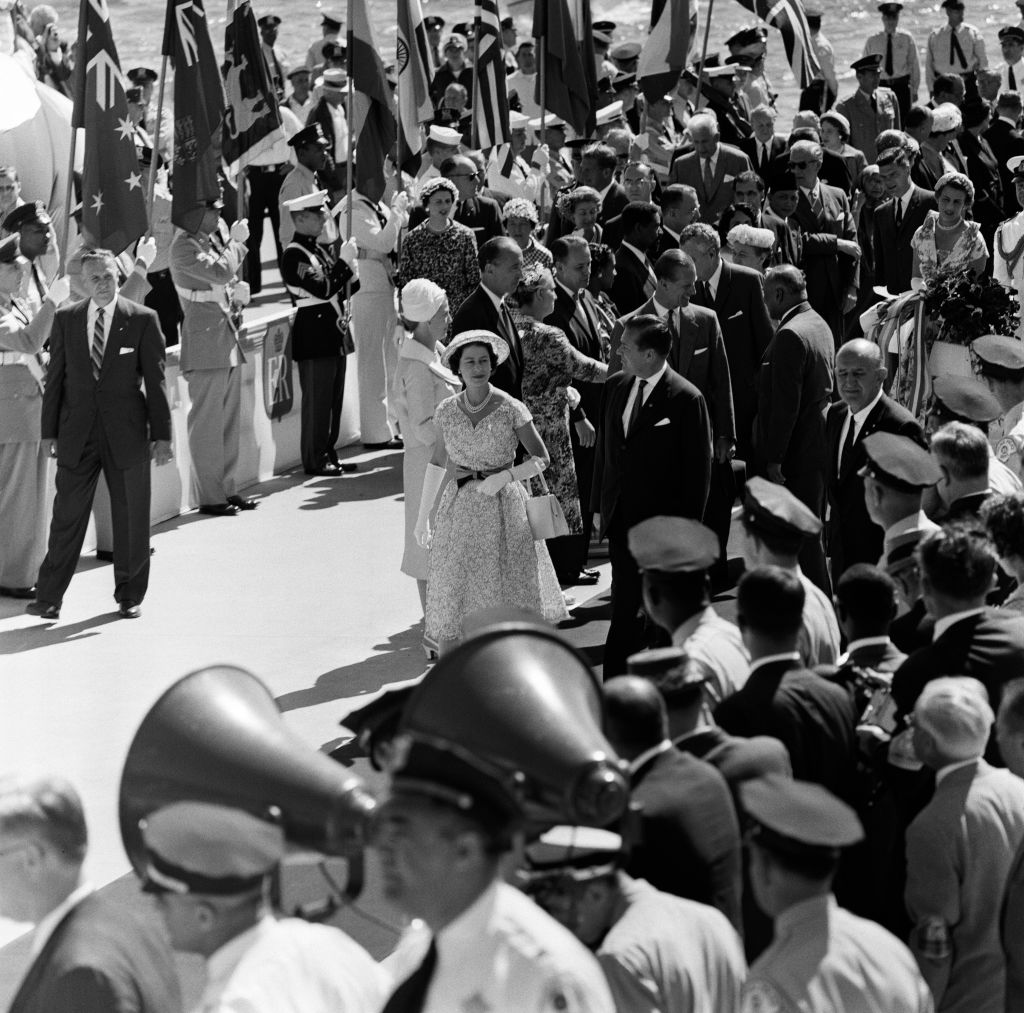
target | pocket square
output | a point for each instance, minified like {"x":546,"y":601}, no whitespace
{"x":663,"y":422}
{"x":700,"y":351}
{"x":125,"y":351}
{"x":738,"y":313}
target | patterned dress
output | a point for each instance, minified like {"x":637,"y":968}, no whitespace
{"x":446,"y":258}
{"x":550,"y":364}
{"x":483,"y":554}
{"x":969,"y":246}
{"x":537,"y":255}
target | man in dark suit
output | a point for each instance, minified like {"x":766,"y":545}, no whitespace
{"x":89,"y":954}
{"x":813,"y":718}
{"x":634,"y":272}
{"x":830,"y":249}
{"x":653,"y":457}
{"x":597,"y":170}
{"x":638,"y":181}
{"x":834,"y":170}
{"x":850,"y":534}
{"x":709,"y":168}
{"x":1004,"y":138}
{"x":689,"y":835}
{"x":475,"y":211}
{"x":96,"y":418}
{"x":679,"y":208}
{"x":764,"y":145}
{"x":501,"y":268}
{"x":962,"y":453}
{"x":897,"y":219}
{"x":794,"y":386}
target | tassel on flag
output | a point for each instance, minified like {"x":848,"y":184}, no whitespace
{"x":414,"y":64}
{"x":665,"y":50}
{"x":373,"y":112}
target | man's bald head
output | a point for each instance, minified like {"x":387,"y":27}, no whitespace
{"x":635,"y":715}
{"x":859,"y":373}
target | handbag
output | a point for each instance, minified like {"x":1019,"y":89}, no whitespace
{"x":545,"y":513}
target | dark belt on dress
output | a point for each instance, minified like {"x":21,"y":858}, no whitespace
{"x":462,"y":476}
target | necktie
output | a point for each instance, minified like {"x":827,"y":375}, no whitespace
{"x":1011,"y":79}
{"x":638,"y":403}
{"x":874,"y":103}
{"x":888,"y":56}
{"x":898,"y":212}
{"x":511,"y":334}
{"x":411,"y":995}
{"x":99,"y":341}
{"x":851,"y":435}
{"x":955,"y":52}
{"x":673,"y":323}
{"x":704,"y":291}
{"x":709,"y":177}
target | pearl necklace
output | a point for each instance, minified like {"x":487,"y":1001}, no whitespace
{"x":947,"y":228}
{"x":476,"y":409}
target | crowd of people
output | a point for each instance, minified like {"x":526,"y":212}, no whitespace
{"x":685,"y":330}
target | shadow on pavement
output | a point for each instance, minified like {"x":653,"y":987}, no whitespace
{"x":48,"y":634}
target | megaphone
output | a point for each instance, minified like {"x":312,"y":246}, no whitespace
{"x":519,"y":697}
{"x":217,"y":736}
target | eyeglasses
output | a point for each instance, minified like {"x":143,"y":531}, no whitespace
{"x":801,"y":165}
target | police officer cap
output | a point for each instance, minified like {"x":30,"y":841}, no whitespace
{"x":673,"y":545}
{"x":871,"y":62}
{"x":625,"y":51}
{"x":30,"y":213}
{"x":269,"y":21}
{"x":307,"y":201}
{"x":199,"y":847}
{"x":899,"y":462}
{"x":581,"y":853}
{"x":966,"y":398}
{"x":434,"y":23}
{"x":9,"y":249}
{"x":890,"y":8}
{"x":1011,"y":33}
{"x":797,"y":818}
{"x":672,"y":671}
{"x":608,"y":113}
{"x":999,"y":355}
{"x":142,"y":75}
{"x":313,"y":134}
{"x":623,"y":81}
{"x":332,"y":21}
{"x":607,"y":27}
{"x":719,"y":70}
{"x":749,"y":36}
{"x":774,"y":510}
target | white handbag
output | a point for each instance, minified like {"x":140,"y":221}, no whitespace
{"x":545,"y":512}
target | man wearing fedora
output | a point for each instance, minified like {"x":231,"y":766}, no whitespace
{"x":870,"y":109}
{"x":900,"y":65}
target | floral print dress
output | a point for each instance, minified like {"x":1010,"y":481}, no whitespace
{"x":446,"y":258}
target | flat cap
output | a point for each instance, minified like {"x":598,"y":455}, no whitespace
{"x":873,"y":61}
{"x":774,"y":510}
{"x":966,"y":398}
{"x":999,"y":355}
{"x":1011,"y":33}
{"x":890,"y":8}
{"x":797,"y":818}
{"x":582,"y":853}
{"x":434,"y":23}
{"x":269,"y":21}
{"x":673,"y":545}
{"x":313,"y":134}
{"x":9,"y":249}
{"x":30,"y":213}
{"x":142,"y":75}
{"x":899,"y":462}
{"x":672,"y":671}
{"x":625,"y":51}
{"x":199,"y":847}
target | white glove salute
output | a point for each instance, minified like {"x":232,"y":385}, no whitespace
{"x":146,"y":251}
{"x":400,"y":202}
{"x":60,"y":289}
{"x":240,"y":231}
{"x":541,"y":157}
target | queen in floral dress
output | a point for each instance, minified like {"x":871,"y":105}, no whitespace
{"x":945,"y":239}
{"x":482,"y":550}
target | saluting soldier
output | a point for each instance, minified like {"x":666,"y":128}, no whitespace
{"x":1002,"y":368}
{"x":870,"y":109}
{"x":900,"y":64}
{"x":316,"y":280}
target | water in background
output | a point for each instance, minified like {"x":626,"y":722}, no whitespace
{"x":138,"y":27}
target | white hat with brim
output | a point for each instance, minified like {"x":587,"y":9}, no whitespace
{"x":518,"y":121}
{"x":727,"y":70}
{"x":497,"y":345}
{"x":612,"y":111}
{"x":445,"y":135}
{"x":557,"y":121}
{"x":334,"y":77}
{"x":307,"y":201}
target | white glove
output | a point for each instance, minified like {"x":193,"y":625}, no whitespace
{"x":240,"y":231}
{"x":643,"y":142}
{"x":916,"y":284}
{"x":493,"y":484}
{"x":431,"y":483}
{"x":60,"y":289}
{"x":423,"y":533}
{"x":400,"y":202}
{"x":146,"y":251}
{"x":541,"y":158}
{"x":530,"y":467}
{"x":242,"y":293}
{"x":349,"y":250}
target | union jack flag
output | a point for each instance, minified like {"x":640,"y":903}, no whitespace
{"x":789,"y":17}
{"x":490,"y":98}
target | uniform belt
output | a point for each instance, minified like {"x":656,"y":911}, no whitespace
{"x":462,"y":475}
{"x":215,"y":294}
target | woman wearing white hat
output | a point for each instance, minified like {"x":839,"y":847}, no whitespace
{"x":482,"y":551}
{"x":934,"y":163}
{"x":835,"y":137}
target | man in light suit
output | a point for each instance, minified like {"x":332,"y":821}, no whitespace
{"x":653,"y":457}
{"x":634,"y":271}
{"x":960,"y":848}
{"x":897,"y":219}
{"x":710,"y":168}
{"x":204,"y":267}
{"x":96,"y":419}
{"x":89,"y":954}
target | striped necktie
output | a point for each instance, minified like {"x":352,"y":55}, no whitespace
{"x":99,"y":341}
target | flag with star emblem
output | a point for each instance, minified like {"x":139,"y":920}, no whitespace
{"x":198,"y":109}
{"x":252,"y":123}
{"x":113,"y":189}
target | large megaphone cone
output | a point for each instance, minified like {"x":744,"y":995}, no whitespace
{"x":217,"y":736}
{"x":518,"y":696}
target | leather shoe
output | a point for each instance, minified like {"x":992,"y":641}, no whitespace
{"x":392,"y":444}
{"x":326,"y":470}
{"x":43,"y":609}
{"x":242,"y":503}
{"x":129,"y":610}
{"x":588,"y":577}
{"x":347,"y":467}
{"x":18,"y":592}
{"x":219,"y":509}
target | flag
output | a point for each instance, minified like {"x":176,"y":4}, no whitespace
{"x":372,"y":131}
{"x":414,"y":62}
{"x":490,"y":99}
{"x":198,"y":109}
{"x":113,"y":188}
{"x":563,"y":63}
{"x":252,"y":121}
{"x":664,"y":54}
{"x":789,"y":17}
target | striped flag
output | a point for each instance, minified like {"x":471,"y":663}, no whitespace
{"x":663,"y":56}
{"x":372,"y":130}
{"x":789,"y":17}
{"x":113,"y":188}
{"x":414,"y":63}
{"x":563,"y":63}
{"x":490,"y":98}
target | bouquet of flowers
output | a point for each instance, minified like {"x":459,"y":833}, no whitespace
{"x":964,"y":307}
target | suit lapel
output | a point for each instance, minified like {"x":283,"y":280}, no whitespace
{"x":684,"y":341}
{"x":724,"y":286}
{"x":117,"y":329}
{"x":651,"y":409}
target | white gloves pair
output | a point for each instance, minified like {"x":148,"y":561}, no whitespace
{"x":240,"y":231}
{"x":493,"y":484}
{"x":59,"y":290}
{"x":348,"y":251}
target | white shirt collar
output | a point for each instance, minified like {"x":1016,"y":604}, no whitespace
{"x":713,"y":159}
{"x":662,"y":311}
{"x":859,"y":417}
{"x":770,"y":659}
{"x":1006,"y":119}
{"x":715,"y":278}
{"x":652,"y":381}
{"x":950,"y":767}
{"x":649,"y":754}
{"x":48,"y":923}
{"x":943,"y":624}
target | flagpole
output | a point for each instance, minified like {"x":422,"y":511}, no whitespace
{"x":473,"y":125}
{"x":151,"y":185}
{"x":543,"y":114}
{"x":349,"y":106}
{"x":69,"y":196}
{"x":703,"y":55}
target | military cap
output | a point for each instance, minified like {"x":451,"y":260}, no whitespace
{"x":434,"y":23}
{"x":313,"y":134}
{"x":517,"y":120}
{"x":508,"y":22}
{"x":1015,"y":166}
{"x":797,"y":818}
{"x":749,"y":36}
{"x":295,"y":71}
{"x":955,"y":4}
{"x":673,"y":545}
{"x":899,"y":462}
{"x":623,"y":81}
{"x":890,"y":8}
{"x":774,"y":510}
{"x":784,"y":180}
{"x":607,"y":27}
{"x":966,"y":398}
{"x":463,"y":29}
{"x":307,"y":201}
{"x":581,"y":853}
{"x":1012,"y":33}
{"x":199,"y":847}
{"x":625,"y":51}
{"x":133,"y":95}
{"x":873,"y":61}
{"x":1000,"y":357}
{"x":269,"y":21}
{"x":331,"y":21}
{"x":608,"y":113}
{"x":31,"y":213}
{"x":9,"y":249}
{"x":550,"y":122}
{"x":444,"y":135}
{"x":720,"y":70}
{"x":672,"y":671}
{"x":142,"y":75}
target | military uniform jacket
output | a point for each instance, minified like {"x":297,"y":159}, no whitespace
{"x":867,"y":121}
{"x":1006,"y":438}
{"x":905,"y":61}
{"x":316,"y":279}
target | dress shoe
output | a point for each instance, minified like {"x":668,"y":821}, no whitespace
{"x":326,"y":470}
{"x":18,"y":592}
{"x":347,"y":467}
{"x":43,"y":609}
{"x":219,"y":509}
{"x":392,"y":444}
{"x":587,"y":577}
{"x":129,"y":610}
{"x":242,"y":503}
